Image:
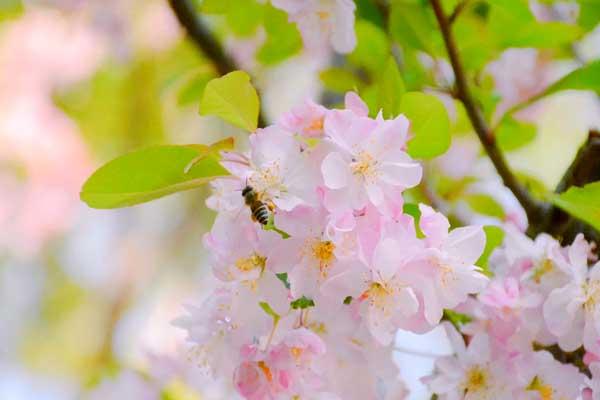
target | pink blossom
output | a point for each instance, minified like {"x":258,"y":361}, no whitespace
{"x":444,"y":272}
{"x":280,"y":170}
{"x":473,"y":373}
{"x":285,"y":370}
{"x":369,"y":163}
{"x":322,"y":21}
{"x":309,"y":256}
{"x":239,"y":248}
{"x":306,"y":120}
{"x":571,"y":311}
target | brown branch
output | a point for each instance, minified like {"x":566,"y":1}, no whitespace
{"x":532,"y":207}
{"x":205,"y":40}
{"x":457,"y":10}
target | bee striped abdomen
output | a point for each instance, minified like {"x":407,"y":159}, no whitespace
{"x":260,"y":212}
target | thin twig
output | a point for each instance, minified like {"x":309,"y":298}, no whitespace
{"x":530,"y":205}
{"x":205,"y":40}
{"x":457,"y":10}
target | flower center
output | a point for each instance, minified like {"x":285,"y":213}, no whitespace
{"x":255,"y":261}
{"x":592,"y":295}
{"x":323,"y":252}
{"x":323,"y":14}
{"x":476,"y":379}
{"x":268,"y":178}
{"x":546,"y":392}
{"x":266,"y":370}
{"x":543,"y":268}
{"x":296,"y":352}
{"x":364,"y":166}
{"x":377,"y":294}
{"x":316,"y":124}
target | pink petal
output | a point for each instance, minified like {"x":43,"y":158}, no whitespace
{"x":336,"y":171}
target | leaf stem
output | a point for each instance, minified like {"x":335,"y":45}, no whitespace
{"x":531,"y":206}
{"x":205,"y":40}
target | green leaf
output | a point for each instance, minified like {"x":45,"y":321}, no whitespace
{"x":244,"y":16}
{"x":339,"y":80}
{"x":589,"y":14}
{"x":232,"y":98}
{"x":494,"y":237}
{"x":534,"y":185}
{"x":283,"y":277}
{"x":457,"y":319}
{"x":582,"y":203}
{"x":191,"y":91}
{"x":484,"y":204}
{"x":429,"y":123}
{"x":283,"y":38}
{"x":151,"y":173}
{"x":372,"y":49}
{"x":414,"y":211}
{"x":410,"y":25}
{"x":541,"y":35}
{"x":302,"y":303}
{"x":390,"y":88}
{"x":215,"y":6}
{"x":513,"y":134}
{"x":516,"y":10}
{"x":10,"y":9}
{"x":513,"y":25}
{"x":348,"y":300}
{"x":584,"y":78}
{"x":366,"y":9}
{"x":267,"y":309}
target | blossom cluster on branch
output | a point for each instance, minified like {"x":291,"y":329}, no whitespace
{"x":526,"y":329}
{"x":315,"y":301}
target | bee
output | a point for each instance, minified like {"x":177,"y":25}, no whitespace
{"x":260,"y":211}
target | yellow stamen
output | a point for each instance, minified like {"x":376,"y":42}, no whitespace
{"x":543,"y":268}
{"x":255,"y":261}
{"x":296,"y":352}
{"x":592,"y":293}
{"x":323,"y":14}
{"x":546,"y":392}
{"x":365,"y":166}
{"x":317,"y":124}
{"x":265,"y":369}
{"x":476,"y":379}
{"x":323,"y":251}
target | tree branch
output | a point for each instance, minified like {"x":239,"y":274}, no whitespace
{"x":530,"y":205}
{"x":457,"y":10}
{"x":204,"y":40}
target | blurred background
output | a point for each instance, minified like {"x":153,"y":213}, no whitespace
{"x":85,"y":293}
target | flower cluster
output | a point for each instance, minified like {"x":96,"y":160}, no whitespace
{"x":527,"y":328}
{"x":312,"y":299}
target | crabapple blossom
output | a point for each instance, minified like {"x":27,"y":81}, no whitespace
{"x":323,"y":21}
{"x":306,"y":301}
{"x":572,"y":309}
{"x":306,"y":120}
{"x":473,"y":373}
{"x":444,"y":271}
{"x":278,"y":168}
{"x":369,"y":163}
